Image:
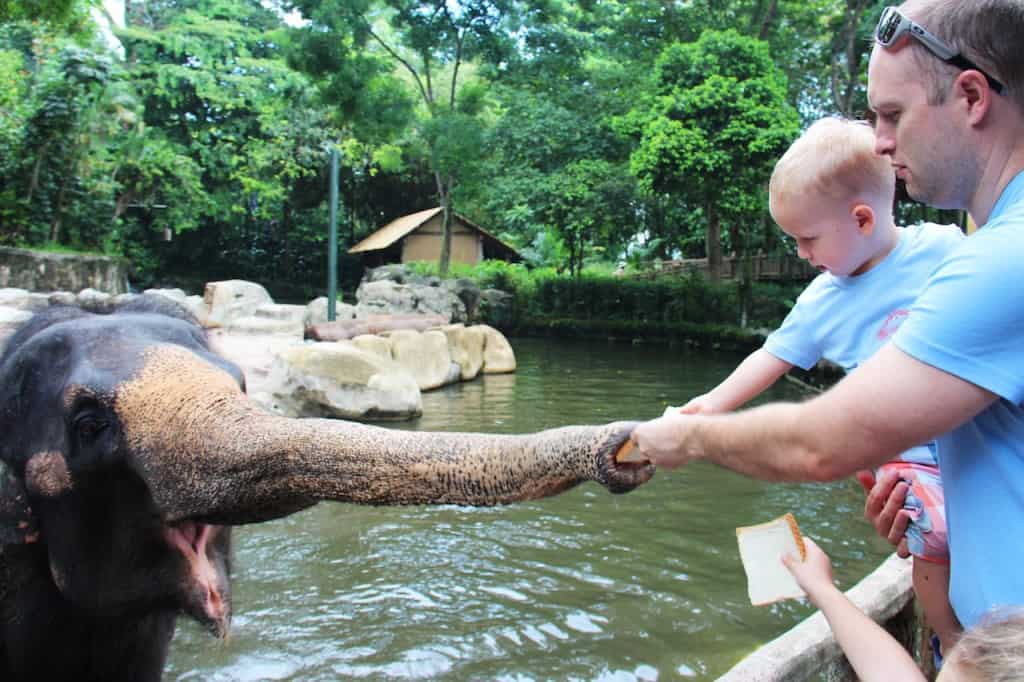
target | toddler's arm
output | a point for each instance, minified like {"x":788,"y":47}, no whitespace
{"x":873,"y":653}
{"x":751,"y":377}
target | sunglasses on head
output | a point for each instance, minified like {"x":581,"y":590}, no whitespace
{"x":892,"y":26}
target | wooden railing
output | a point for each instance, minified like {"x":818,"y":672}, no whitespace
{"x":771,"y":267}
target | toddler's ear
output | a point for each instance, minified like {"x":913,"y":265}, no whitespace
{"x":865,"y":217}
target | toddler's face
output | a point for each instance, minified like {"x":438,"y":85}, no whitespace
{"x":826,"y":234}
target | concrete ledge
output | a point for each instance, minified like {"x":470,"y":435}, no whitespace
{"x":809,"y":651}
{"x":46,"y":271}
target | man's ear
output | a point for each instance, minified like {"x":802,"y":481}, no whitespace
{"x":864,"y":215}
{"x":972,"y":88}
{"x":17,"y":522}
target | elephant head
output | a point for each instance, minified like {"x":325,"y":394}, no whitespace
{"x":129,"y":450}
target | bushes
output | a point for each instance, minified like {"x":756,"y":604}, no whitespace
{"x":682,"y":307}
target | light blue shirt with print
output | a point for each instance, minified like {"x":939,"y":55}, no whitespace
{"x":969,"y":322}
{"x":847,"y":319}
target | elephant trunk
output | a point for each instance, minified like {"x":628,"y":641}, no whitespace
{"x":209,"y":453}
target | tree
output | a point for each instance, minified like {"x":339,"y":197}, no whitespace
{"x":223,"y":107}
{"x":431,"y":42}
{"x":66,"y":107}
{"x":713,"y":126}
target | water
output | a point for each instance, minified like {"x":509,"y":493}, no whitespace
{"x":583,"y":586}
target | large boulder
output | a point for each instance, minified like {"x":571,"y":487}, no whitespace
{"x":341,"y":380}
{"x":272,"y":318}
{"x":253,"y":353}
{"x":466,"y":346}
{"x":496,"y":308}
{"x":498,"y":354}
{"x":425,"y":355}
{"x":467,"y":291}
{"x":229,"y":300}
{"x":372,"y":343}
{"x":316,"y":311}
{"x":386,"y":297}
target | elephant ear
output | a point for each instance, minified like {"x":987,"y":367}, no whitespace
{"x":17,"y":522}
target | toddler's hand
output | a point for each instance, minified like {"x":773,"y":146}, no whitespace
{"x":814,"y":573}
{"x":699,"y":405}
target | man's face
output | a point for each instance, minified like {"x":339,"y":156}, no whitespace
{"x":927,"y":145}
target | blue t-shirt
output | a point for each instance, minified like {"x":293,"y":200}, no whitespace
{"x":969,"y":322}
{"x":847,"y":319}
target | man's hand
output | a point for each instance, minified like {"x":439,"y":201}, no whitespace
{"x":884,"y":507}
{"x":663,"y":440}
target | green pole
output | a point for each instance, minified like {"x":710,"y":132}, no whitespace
{"x":332,"y":243}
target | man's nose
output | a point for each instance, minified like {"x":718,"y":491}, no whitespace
{"x":802,"y":252}
{"x":884,"y":142}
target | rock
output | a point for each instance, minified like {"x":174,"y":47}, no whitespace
{"x":424,"y":354}
{"x":497,"y":308}
{"x":119,"y":300}
{"x":498,"y":354}
{"x":341,"y":330}
{"x":62,"y":298}
{"x":197,"y":306}
{"x":95,"y":301}
{"x":22,"y":299}
{"x":467,"y":291}
{"x":253,"y":353}
{"x":231,"y":299}
{"x":316,"y":311}
{"x":371,"y":343}
{"x":176,"y":295}
{"x":395,"y":273}
{"x":271,"y":318}
{"x":10,"y":320}
{"x":386,"y":297}
{"x":341,"y":380}
{"x":466,"y":347}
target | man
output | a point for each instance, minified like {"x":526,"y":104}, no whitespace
{"x":946,"y":83}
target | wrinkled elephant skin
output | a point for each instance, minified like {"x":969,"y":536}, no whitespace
{"x":130,"y":450}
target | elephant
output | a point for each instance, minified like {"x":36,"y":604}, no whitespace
{"x":130,"y":450}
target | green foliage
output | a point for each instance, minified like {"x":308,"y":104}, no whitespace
{"x":718,"y":120}
{"x":587,"y":134}
{"x":601,"y":300}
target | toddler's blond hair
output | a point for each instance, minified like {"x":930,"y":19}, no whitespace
{"x":835,"y":158}
{"x":994,"y":648}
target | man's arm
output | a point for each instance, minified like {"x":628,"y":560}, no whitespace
{"x":889,"y":404}
{"x":751,"y":378}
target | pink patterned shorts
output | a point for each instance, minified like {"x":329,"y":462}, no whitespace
{"x":926,"y":534}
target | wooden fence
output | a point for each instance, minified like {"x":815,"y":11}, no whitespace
{"x":764,"y":267}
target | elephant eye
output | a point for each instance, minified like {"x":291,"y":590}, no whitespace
{"x":89,"y":426}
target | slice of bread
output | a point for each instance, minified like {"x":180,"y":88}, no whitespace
{"x":761,"y":550}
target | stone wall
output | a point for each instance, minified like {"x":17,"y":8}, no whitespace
{"x":43,"y":271}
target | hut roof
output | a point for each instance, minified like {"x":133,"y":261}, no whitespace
{"x":400,"y":227}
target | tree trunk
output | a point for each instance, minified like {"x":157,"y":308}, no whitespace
{"x":713,"y":244}
{"x":446,"y":226}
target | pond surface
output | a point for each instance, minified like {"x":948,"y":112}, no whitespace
{"x":583,"y":586}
